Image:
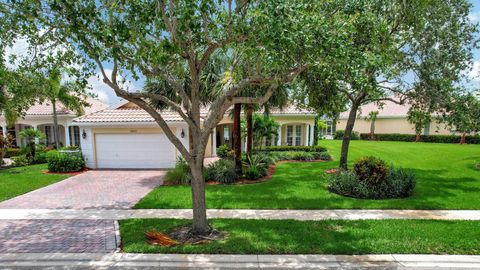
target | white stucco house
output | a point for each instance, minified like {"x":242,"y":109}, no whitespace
{"x":125,"y":136}
{"x":40,"y":116}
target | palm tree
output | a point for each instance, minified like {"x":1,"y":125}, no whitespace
{"x":31,"y":135}
{"x":67,"y":94}
{"x":372,"y":117}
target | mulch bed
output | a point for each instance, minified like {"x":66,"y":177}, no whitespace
{"x":182,"y":236}
{"x":271,"y":171}
{"x":68,"y":173}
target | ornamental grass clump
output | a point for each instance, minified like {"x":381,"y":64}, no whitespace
{"x":371,"y":178}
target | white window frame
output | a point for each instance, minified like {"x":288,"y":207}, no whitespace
{"x":295,"y":138}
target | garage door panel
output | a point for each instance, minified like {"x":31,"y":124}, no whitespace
{"x":134,"y":151}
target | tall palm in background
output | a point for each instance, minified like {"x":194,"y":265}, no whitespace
{"x":66,"y":94}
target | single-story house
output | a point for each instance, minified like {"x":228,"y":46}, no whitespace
{"x":392,"y":118}
{"x":40,"y":116}
{"x":126,"y":136}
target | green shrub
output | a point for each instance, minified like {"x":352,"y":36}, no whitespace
{"x":371,"y":170}
{"x":12,"y":152}
{"x":40,"y":158}
{"x":339,"y":135}
{"x":401,"y":183}
{"x":423,"y":138}
{"x":59,"y":161}
{"x":19,"y":161}
{"x":255,"y":167}
{"x":223,"y":151}
{"x":398,"y":183}
{"x":223,"y":171}
{"x":316,"y":148}
{"x":180,"y":174}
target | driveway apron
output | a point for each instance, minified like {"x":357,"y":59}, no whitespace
{"x":102,"y":189}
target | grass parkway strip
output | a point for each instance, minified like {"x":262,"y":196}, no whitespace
{"x":315,"y":237}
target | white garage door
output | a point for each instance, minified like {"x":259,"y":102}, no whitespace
{"x":134,"y":151}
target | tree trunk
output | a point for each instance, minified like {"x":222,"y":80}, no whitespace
{"x":346,"y":136}
{"x":372,"y":130}
{"x":55,"y":126}
{"x":248,"y":115}
{"x":237,"y":141}
{"x":462,"y":138}
{"x":417,"y":137}
{"x":200,"y":222}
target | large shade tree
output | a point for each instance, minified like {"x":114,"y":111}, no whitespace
{"x":462,"y":114}
{"x":268,"y":43}
{"x":397,"y":51}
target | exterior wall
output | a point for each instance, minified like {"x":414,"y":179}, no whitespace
{"x":392,"y":125}
{"x":37,"y":122}
{"x":88,"y":143}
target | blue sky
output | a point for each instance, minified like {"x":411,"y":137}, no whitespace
{"x":107,"y":95}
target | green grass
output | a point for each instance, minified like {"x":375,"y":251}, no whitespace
{"x":446,"y":179}
{"x":316,"y":237}
{"x":20,"y":180}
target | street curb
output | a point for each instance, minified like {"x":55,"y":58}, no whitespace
{"x":200,"y":261}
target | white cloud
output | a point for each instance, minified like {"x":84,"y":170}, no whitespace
{"x":474,"y":73}
{"x":474,"y":16}
{"x":103,"y":91}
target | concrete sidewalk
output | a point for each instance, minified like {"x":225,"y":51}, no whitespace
{"x":196,"y":261}
{"x":119,"y":214}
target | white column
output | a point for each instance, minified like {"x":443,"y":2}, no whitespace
{"x":67,"y":136}
{"x":35,"y":127}
{"x":279,"y":137}
{"x":214,"y":142}
{"x":312,"y":127}
{"x":4,"y":130}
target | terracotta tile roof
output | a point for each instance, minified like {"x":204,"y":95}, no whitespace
{"x":46,"y":108}
{"x":389,"y":110}
{"x":125,"y":115}
{"x":128,"y":113}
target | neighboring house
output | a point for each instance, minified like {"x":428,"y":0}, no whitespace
{"x":128,"y":137}
{"x":40,"y":117}
{"x":392,"y":118}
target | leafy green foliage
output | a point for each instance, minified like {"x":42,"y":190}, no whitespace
{"x":180,"y":174}
{"x":223,"y":151}
{"x":371,"y":170}
{"x":223,"y":171}
{"x":463,"y":113}
{"x":316,"y":148}
{"x":22,"y":160}
{"x":398,"y":183}
{"x":255,"y":167}
{"x":339,"y":135}
{"x":65,"y":162}
{"x":419,"y":119}
{"x":423,"y":138}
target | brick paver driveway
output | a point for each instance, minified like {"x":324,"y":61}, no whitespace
{"x":89,"y":190}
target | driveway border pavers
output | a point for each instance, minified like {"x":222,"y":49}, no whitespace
{"x":199,"y":261}
{"x":118,"y":214}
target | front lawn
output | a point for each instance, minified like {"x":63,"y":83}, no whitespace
{"x":446,"y":179}
{"x":316,"y":237}
{"x":20,"y":180}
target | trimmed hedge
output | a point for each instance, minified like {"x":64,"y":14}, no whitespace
{"x":423,"y":138}
{"x":339,"y":135}
{"x":292,"y":149}
{"x":64,"y":161}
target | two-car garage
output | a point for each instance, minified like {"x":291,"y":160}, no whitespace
{"x":133,"y":151}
